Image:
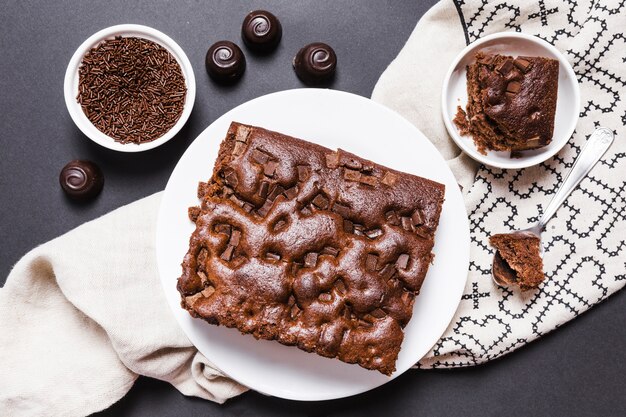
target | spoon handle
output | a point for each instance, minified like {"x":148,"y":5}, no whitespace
{"x":598,"y":143}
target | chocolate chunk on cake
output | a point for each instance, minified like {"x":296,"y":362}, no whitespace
{"x":518,"y":260}
{"x":511,"y":102}
{"x":311,"y":247}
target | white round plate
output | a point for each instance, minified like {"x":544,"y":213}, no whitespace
{"x":70,"y":86}
{"x":336,"y":120}
{"x":454,"y":94}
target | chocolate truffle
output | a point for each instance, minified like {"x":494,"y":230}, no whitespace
{"x":81,"y":180}
{"x":225,"y":62}
{"x":261,"y":31}
{"x":315,"y":63}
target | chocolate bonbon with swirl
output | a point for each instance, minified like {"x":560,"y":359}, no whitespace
{"x":81,"y":180}
{"x":315,"y":63}
{"x":225,"y":62}
{"x":261,"y":31}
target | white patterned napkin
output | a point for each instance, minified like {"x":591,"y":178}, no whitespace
{"x":585,"y":246}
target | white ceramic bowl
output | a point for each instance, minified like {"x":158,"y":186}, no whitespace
{"x":454,"y":94}
{"x":71,"y":85}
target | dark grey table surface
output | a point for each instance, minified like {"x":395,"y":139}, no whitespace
{"x":578,"y":370}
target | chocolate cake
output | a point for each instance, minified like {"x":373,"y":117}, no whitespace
{"x":511,"y":102}
{"x":518,"y":260}
{"x":311,"y":247}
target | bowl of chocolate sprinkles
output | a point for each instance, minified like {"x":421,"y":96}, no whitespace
{"x":129,"y":88}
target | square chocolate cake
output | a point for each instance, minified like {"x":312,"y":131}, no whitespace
{"x":511,"y":102}
{"x":311,"y":247}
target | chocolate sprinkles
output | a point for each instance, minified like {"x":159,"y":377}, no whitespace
{"x":131,"y":89}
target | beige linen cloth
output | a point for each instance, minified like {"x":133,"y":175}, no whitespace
{"x":83,"y":315}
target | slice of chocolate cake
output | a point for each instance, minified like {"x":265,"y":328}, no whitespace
{"x":518,"y":260}
{"x":311,"y":247}
{"x":511,"y":102}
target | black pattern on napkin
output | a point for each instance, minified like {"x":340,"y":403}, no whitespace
{"x":585,"y":243}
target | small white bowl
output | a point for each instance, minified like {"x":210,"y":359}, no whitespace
{"x":71,"y":85}
{"x":454,"y":94}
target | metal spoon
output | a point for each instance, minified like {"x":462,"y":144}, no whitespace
{"x":598,"y":143}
